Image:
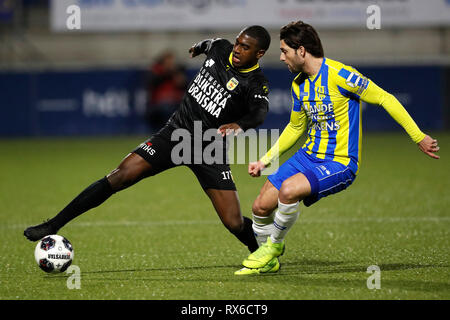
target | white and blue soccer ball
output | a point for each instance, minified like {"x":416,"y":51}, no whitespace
{"x":54,"y":253}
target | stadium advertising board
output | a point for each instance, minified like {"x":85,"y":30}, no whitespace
{"x":114,"y":101}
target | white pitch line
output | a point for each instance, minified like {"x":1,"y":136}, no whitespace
{"x":216,"y":221}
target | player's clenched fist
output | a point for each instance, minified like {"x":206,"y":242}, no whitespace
{"x":255,"y":168}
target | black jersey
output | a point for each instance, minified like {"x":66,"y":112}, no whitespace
{"x":220,"y":94}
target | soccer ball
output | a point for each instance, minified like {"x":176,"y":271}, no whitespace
{"x":54,"y":253}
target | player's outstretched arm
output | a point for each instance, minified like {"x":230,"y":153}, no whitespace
{"x":375,"y":95}
{"x":429,"y":146}
{"x":199,"y":48}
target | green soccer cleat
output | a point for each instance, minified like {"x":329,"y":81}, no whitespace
{"x":272,"y":267}
{"x":265,"y":253}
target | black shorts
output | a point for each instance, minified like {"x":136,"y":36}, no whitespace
{"x":157,"y":151}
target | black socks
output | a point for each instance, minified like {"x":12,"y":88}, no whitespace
{"x":91,"y":197}
{"x":247,"y":236}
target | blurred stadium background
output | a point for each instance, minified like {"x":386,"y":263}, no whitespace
{"x":89,"y":81}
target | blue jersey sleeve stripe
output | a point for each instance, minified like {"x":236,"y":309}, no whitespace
{"x":310,"y":139}
{"x":306,"y":147}
{"x":344,"y":73}
{"x":348,"y":94}
{"x":297,"y":104}
{"x":318,"y":133}
{"x":329,"y":154}
{"x":354,"y":123}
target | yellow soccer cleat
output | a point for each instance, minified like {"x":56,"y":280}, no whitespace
{"x":265,"y":253}
{"x":272,"y":267}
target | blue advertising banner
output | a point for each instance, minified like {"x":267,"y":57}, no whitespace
{"x":110,"y":102}
{"x":72,"y":103}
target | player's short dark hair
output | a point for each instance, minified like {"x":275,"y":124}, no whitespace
{"x":298,"y":33}
{"x":260,"y":34}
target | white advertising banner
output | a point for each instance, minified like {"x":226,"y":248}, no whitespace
{"x":135,"y":15}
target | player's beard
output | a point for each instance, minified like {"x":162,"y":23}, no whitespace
{"x":293,"y":69}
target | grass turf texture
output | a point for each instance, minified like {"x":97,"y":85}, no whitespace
{"x":161,"y":239}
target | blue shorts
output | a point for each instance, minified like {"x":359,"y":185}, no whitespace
{"x":325,"y":177}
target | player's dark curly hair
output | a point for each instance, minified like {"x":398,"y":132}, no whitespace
{"x":260,"y":34}
{"x":298,"y":33}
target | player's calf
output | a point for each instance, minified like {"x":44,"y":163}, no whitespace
{"x":89,"y":198}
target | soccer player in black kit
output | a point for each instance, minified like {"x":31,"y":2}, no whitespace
{"x":228,"y":94}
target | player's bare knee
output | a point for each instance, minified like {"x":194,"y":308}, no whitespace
{"x":260,"y":209}
{"x":288,"y":192}
{"x":256,"y":207}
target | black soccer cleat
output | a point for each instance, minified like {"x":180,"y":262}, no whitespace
{"x":39,"y":231}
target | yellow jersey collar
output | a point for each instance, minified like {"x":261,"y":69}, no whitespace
{"x":230,"y":58}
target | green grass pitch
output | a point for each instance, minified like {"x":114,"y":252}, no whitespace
{"x":161,"y":238}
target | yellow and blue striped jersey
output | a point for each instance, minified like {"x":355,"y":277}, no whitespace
{"x":328,"y":107}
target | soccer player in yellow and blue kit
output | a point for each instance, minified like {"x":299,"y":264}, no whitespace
{"x":326,"y":97}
